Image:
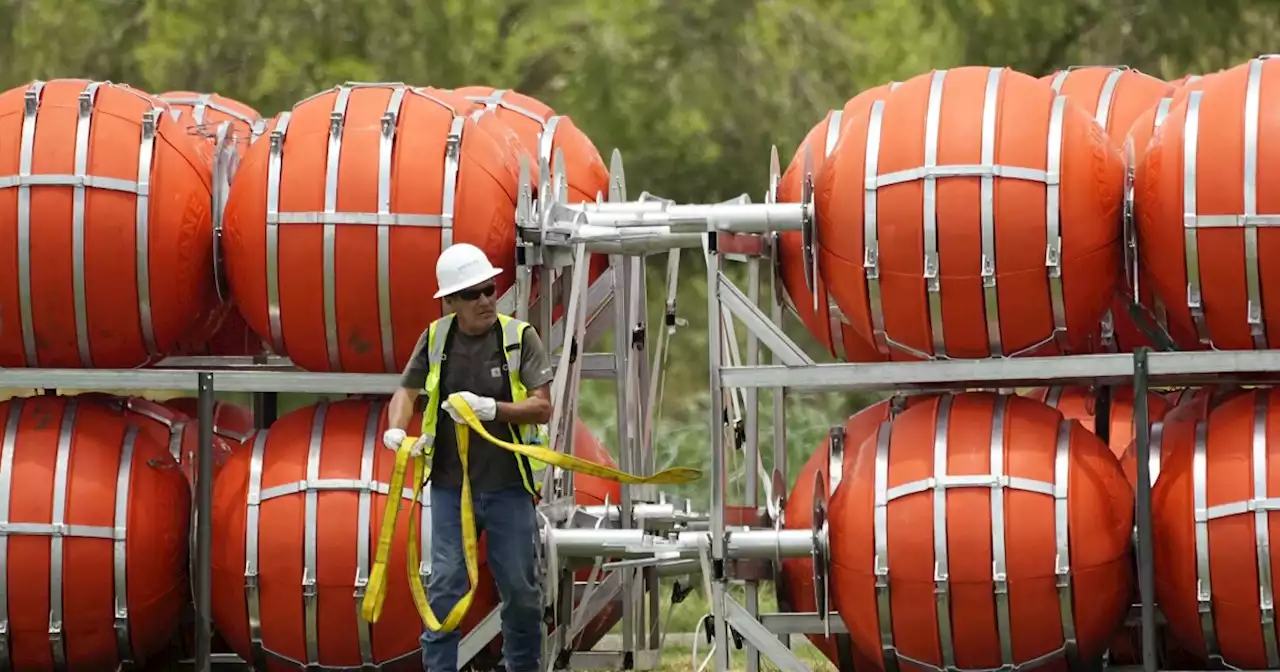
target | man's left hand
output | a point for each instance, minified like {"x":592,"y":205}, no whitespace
{"x":486,"y":408}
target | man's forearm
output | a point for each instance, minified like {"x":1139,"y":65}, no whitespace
{"x":531,"y":411}
{"x":400,"y":410}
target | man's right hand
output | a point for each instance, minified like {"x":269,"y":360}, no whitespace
{"x":392,"y":438}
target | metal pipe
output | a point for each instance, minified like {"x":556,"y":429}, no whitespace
{"x":204,"y":522}
{"x":633,"y":543}
{"x":691,"y":218}
{"x":659,"y":514}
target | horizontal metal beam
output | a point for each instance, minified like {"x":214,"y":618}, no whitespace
{"x":248,"y":379}
{"x":1164,"y":369}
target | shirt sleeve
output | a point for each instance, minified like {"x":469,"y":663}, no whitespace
{"x":414,"y":376}
{"x":535,"y":363}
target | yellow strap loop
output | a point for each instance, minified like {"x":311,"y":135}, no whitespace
{"x":376,"y":594}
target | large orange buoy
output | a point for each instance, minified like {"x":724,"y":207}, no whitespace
{"x":1117,"y":97}
{"x":825,"y":321}
{"x":797,"y":573}
{"x":1201,"y":214}
{"x":993,"y":228}
{"x":1215,"y":563}
{"x":331,"y":233}
{"x":92,"y":274}
{"x":541,"y":133}
{"x":1079,"y":403}
{"x":295,"y":532}
{"x":929,"y":566}
{"x":106,"y":589}
{"x":1187,"y":407}
{"x":232,"y":422}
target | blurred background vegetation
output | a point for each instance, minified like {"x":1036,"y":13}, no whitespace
{"x":694,"y":92}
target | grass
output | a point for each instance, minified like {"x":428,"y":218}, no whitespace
{"x":680,"y":659}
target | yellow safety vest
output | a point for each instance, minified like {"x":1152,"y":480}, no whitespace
{"x":531,"y":471}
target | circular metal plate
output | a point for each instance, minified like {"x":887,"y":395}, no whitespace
{"x":821,"y":560}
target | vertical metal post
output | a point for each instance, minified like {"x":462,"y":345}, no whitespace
{"x":777,"y":315}
{"x":715,"y":326}
{"x":204,"y":527}
{"x":265,"y":409}
{"x":752,"y":412}
{"x":1146,"y":560}
{"x":622,"y":354}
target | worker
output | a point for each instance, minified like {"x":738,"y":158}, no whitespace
{"x":502,"y":369}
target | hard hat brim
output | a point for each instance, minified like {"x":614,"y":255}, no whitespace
{"x":471,"y":282}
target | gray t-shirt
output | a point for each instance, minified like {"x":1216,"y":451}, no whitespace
{"x":476,"y":364}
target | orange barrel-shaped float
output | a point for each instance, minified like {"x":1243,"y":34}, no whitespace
{"x":296,"y":521}
{"x":1080,"y":403}
{"x":541,"y":133}
{"x":232,"y":422}
{"x":972,"y":213}
{"x":96,"y":544}
{"x":332,"y":231}
{"x":797,"y":573}
{"x":1201,"y":213}
{"x":977,"y":531}
{"x":1214,"y":524}
{"x":1117,"y":97}
{"x":105,"y":217}
{"x":1188,"y":406}
{"x":822,"y":317}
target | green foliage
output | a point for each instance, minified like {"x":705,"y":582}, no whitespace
{"x":693,"y":92}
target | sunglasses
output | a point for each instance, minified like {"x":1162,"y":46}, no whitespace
{"x":473,"y":294}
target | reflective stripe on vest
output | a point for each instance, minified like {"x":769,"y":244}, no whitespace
{"x":512,"y":339}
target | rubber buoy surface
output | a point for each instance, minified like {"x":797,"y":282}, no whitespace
{"x":108,"y":589}
{"x":824,"y":322}
{"x":994,"y":225}
{"x":1215,"y":563}
{"x":1203,"y":221}
{"x":331,"y":232}
{"x":232,"y":422}
{"x":97,"y":271}
{"x":929,"y":566}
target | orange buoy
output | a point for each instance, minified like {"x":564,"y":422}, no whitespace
{"x":1078,"y":403}
{"x":797,"y":573}
{"x":94,"y":274}
{"x":1187,"y":80}
{"x":993,"y":228}
{"x":541,"y":132}
{"x":232,"y":422}
{"x":108,"y":589}
{"x":331,"y":234}
{"x":1201,"y":214}
{"x":825,"y":321}
{"x":1215,"y":565}
{"x":1118,"y":97}
{"x":924,"y":557}
{"x":284,"y":550}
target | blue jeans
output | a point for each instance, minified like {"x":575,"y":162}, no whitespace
{"x":510,"y":522}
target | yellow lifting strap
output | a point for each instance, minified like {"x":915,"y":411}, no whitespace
{"x":376,"y":593}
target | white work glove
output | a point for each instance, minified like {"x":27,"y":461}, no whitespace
{"x":392,"y":438}
{"x":486,"y":408}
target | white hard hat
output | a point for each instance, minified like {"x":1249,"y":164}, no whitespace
{"x":461,"y":266}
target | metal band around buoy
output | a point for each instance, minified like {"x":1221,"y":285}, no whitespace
{"x":201,"y":104}
{"x":1260,"y":505}
{"x":79,"y":181}
{"x":59,"y":529}
{"x":1249,"y":220}
{"x":997,"y":482}
{"x":310,"y":487}
{"x":331,"y":217}
{"x":835,"y":317}
{"x":986,"y":171}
